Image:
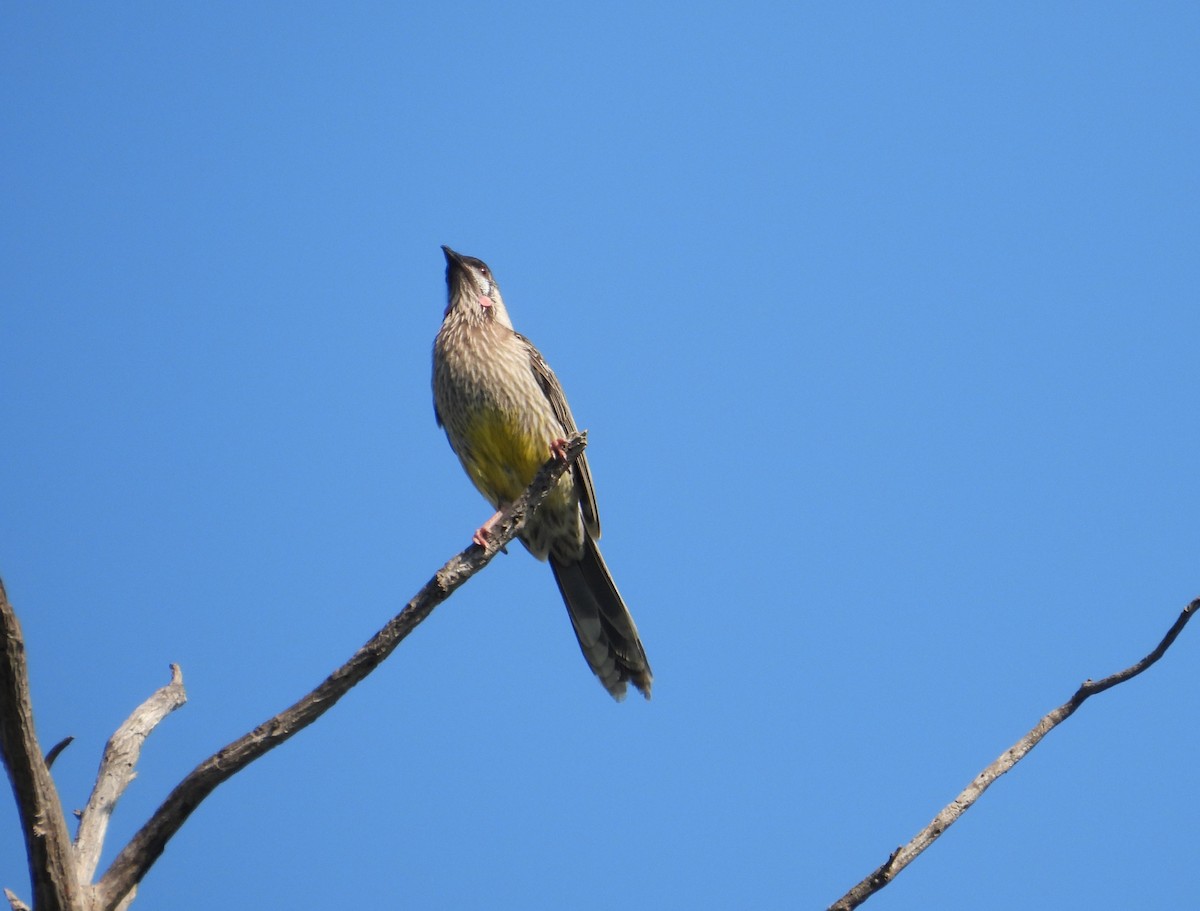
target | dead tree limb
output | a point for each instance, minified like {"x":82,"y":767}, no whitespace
{"x":902,"y":857}
{"x":60,"y":873}
{"x":56,"y":887}
{"x":145,"y":847}
{"x":121,"y":754}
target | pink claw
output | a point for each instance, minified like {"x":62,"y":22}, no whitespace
{"x":558,"y":449}
{"x":481,"y":534}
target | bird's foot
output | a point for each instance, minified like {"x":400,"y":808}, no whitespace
{"x":481,"y":534}
{"x":558,"y":449}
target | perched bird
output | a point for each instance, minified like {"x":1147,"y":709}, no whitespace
{"x":505,"y":413}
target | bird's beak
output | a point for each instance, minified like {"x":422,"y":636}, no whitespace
{"x":460,"y":281}
{"x":456,"y":270}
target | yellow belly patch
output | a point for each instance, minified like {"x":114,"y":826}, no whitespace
{"x":502,"y":457}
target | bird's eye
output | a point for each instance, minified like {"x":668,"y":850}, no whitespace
{"x":483,"y":271}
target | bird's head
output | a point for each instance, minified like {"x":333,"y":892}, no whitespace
{"x":472,"y":290}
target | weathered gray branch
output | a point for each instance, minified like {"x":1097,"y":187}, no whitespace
{"x":902,"y":857}
{"x":117,"y":771}
{"x":47,"y":844}
{"x":144,"y":848}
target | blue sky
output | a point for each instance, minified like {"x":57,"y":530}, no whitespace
{"x":882,"y":319}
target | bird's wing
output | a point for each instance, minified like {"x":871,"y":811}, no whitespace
{"x":558,"y":403}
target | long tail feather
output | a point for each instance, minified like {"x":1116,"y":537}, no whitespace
{"x":607,"y":634}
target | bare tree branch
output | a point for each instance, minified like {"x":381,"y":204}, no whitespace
{"x":145,"y":847}
{"x":116,"y":771}
{"x":47,"y":844}
{"x":905,"y":855}
{"x":60,"y":875}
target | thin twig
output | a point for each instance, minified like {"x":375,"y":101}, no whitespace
{"x":58,"y":748}
{"x":144,"y":848}
{"x":121,"y":754}
{"x":902,"y":857}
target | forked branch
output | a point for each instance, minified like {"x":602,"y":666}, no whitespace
{"x":144,"y":848}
